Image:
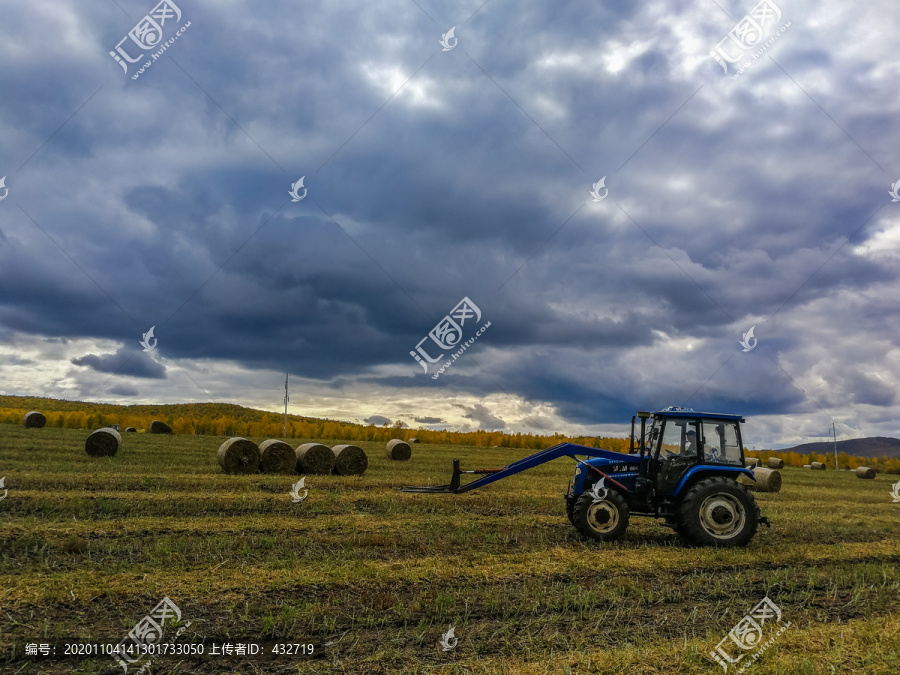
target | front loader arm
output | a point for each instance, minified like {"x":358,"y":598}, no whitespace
{"x":491,"y":475}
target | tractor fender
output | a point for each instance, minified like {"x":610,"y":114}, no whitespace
{"x":696,"y":473}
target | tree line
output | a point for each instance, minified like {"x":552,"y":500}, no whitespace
{"x":227,"y":419}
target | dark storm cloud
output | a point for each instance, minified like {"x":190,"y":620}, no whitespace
{"x":126,"y":361}
{"x":482,"y":416}
{"x":728,"y":202}
{"x":429,"y":420}
{"x":378,"y":420}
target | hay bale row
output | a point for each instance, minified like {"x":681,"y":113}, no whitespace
{"x":314,"y":458}
{"x":775,"y":463}
{"x":750,"y":462}
{"x":398,"y":450}
{"x":34,"y":420}
{"x":103,"y":442}
{"x":349,"y":460}
{"x":767,"y":480}
{"x":238,"y":455}
{"x":276,"y":457}
{"x":817,"y":466}
{"x":157,"y":427}
{"x":241,"y":456}
{"x":865,"y":472}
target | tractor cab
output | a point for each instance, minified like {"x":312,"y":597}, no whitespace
{"x":681,"y":444}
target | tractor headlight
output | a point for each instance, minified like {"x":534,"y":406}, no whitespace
{"x":578,"y":471}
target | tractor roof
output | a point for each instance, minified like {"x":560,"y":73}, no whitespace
{"x":676,"y":411}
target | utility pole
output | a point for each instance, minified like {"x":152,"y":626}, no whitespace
{"x":286,"y":399}
{"x":834,"y":435}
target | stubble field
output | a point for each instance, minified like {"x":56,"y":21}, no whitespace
{"x":88,"y":546}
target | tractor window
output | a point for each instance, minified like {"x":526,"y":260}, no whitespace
{"x":720,"y":442}
{"x":679,"y":439}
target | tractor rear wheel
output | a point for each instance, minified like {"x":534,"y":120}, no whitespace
{"x":718,"y":512}
{"x":602,"y":520}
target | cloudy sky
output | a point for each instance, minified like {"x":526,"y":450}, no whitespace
{"x":618,"y":209}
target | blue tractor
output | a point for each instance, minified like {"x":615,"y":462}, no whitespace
{"x":683,"y":467}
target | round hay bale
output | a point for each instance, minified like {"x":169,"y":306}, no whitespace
{"x":349,"y":460}
{"x":865,"y":472}
{"x":238,"y":455}
{"x":130,"y":430}
{"x":103,"y":443}
{"x":807,"y":466}
{"x":767,"y":480}
{"x":750,"y":462}
{"x":775,"y":463}
{"x":314,"y":458}
{"x":398,"y":450}
{"x":817,"y":466}
{"x":34,"y":420}
{"x":276,"y":457}
{"x":413,"y":440}
{"x":157,"y":427}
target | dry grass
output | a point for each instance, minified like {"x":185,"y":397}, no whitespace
{"x":89,"y":545}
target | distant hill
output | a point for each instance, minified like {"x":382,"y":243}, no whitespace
{"x":876,"y":446}
{"x":160,"y":411}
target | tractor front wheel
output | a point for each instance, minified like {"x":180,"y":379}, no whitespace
{"x":718,"y":512}
{"x":603,"y":520}
{"x":570,"y":509}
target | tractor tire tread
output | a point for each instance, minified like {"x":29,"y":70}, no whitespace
{"x":580,"y":516}
{"x":689,"y":526}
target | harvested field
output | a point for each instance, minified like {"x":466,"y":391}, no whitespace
{"x":90,"y":545}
